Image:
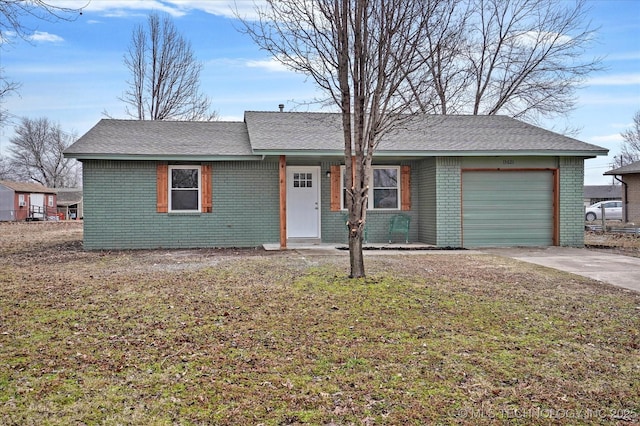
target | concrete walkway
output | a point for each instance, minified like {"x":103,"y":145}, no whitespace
{"x":621,"y":271}
{"x":615,"y":269}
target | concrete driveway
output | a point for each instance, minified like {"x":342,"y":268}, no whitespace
{"x":622,"y":271}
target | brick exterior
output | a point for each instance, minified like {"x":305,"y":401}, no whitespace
{"x":120,"y":205}
{"x":448,"y":188}
{"x":632,"y":201}
{"x":333,"y":223}
{"x":120,"y":208}
{"x":571,"y":207}
{"x":448,"y":209}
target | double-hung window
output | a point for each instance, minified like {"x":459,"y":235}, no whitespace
{"x":185,"y":185}
{"x":384,"y":188}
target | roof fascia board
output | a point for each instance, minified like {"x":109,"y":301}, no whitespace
{"x":261,"y":154}
{"x":333,"y":153}
{"x":131,"y":157}
{"x":614,"y":173}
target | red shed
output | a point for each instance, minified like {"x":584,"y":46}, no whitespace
{"x":26,"y":201}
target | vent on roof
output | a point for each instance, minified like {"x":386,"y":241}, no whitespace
{"x":281,"y":106}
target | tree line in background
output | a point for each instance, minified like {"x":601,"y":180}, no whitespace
{"x":35,"y":151}
{"x":36,"y":155}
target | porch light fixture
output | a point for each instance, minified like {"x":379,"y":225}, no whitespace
{"x":328,"y":173}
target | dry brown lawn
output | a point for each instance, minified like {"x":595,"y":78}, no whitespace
{"x":619,"y":243}
{"x":195,"y":337}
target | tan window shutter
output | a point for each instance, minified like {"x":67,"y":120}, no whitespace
{"x":207,"y":200}
{"x":336,"y":188}
{"x":162,"y":188}
{"x":405,"y":187}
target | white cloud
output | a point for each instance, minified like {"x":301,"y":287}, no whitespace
{"x":624,"y":56}
{"x":541,"y":38}
{"x":613,"y":99}
{"x":228,"y":8}
{"x":45,"y":37}
{"x":176,"y":8}
{"x":615,"y":80}
{"x":120,"y":8}
{"x":6,"y":37}
{"x":616,"y":137}
{"x":268,"y":64}
{"x":621,"y":125}
{"x":220,"y":7}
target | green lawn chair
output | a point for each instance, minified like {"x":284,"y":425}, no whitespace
{"x":399,"y":224}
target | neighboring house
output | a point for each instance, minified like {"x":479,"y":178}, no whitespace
{"x":630,"y":178}
{"x":596,"y":193}
{"x":70,"y":204}
{"x":26,"y":201}
{"x":277,"y":177}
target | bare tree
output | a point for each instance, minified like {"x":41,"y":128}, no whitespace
{"x":447,"y":76}
{"x":13,"y":12}
{"x":36,"y":154}
{"x":630,"y":151}
{"x":6,"y":87}
{"x":523,"y":58}
{"x":364,"y":55}
{"x":5,"y":171}
{"x":165,"y":75}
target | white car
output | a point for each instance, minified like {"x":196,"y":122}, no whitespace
{"x":612,"y":210}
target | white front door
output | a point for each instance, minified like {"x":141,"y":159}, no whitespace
{"x":303,"y":202}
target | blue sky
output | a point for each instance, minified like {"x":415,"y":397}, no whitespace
{"x":72,"y":72}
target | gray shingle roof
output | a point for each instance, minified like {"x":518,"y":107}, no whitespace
{"x":625,"y":170}
{"x":603,"y":191}
{"x":164,"y":138}
{"x":286,"y":132}
{"x":69,"y":196}
{"x":307,"y":131}
{"x":275,"y":131}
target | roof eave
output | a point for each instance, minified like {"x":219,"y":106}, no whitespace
{"x":615,"y":173}
{"x":495,"y":153}
{"x":163,"y":157}
{"x":443,"y":153}
{"x":260,"y":154}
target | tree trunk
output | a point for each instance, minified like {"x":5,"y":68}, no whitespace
{"x":355,"y":253}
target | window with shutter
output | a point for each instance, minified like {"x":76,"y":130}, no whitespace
{"x":405,"y":187}
{"x":390,"y":188}
{"x":183,"y":188}
{"x":162,"y":186}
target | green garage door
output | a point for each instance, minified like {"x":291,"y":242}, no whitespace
{"x":507,"y":208}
